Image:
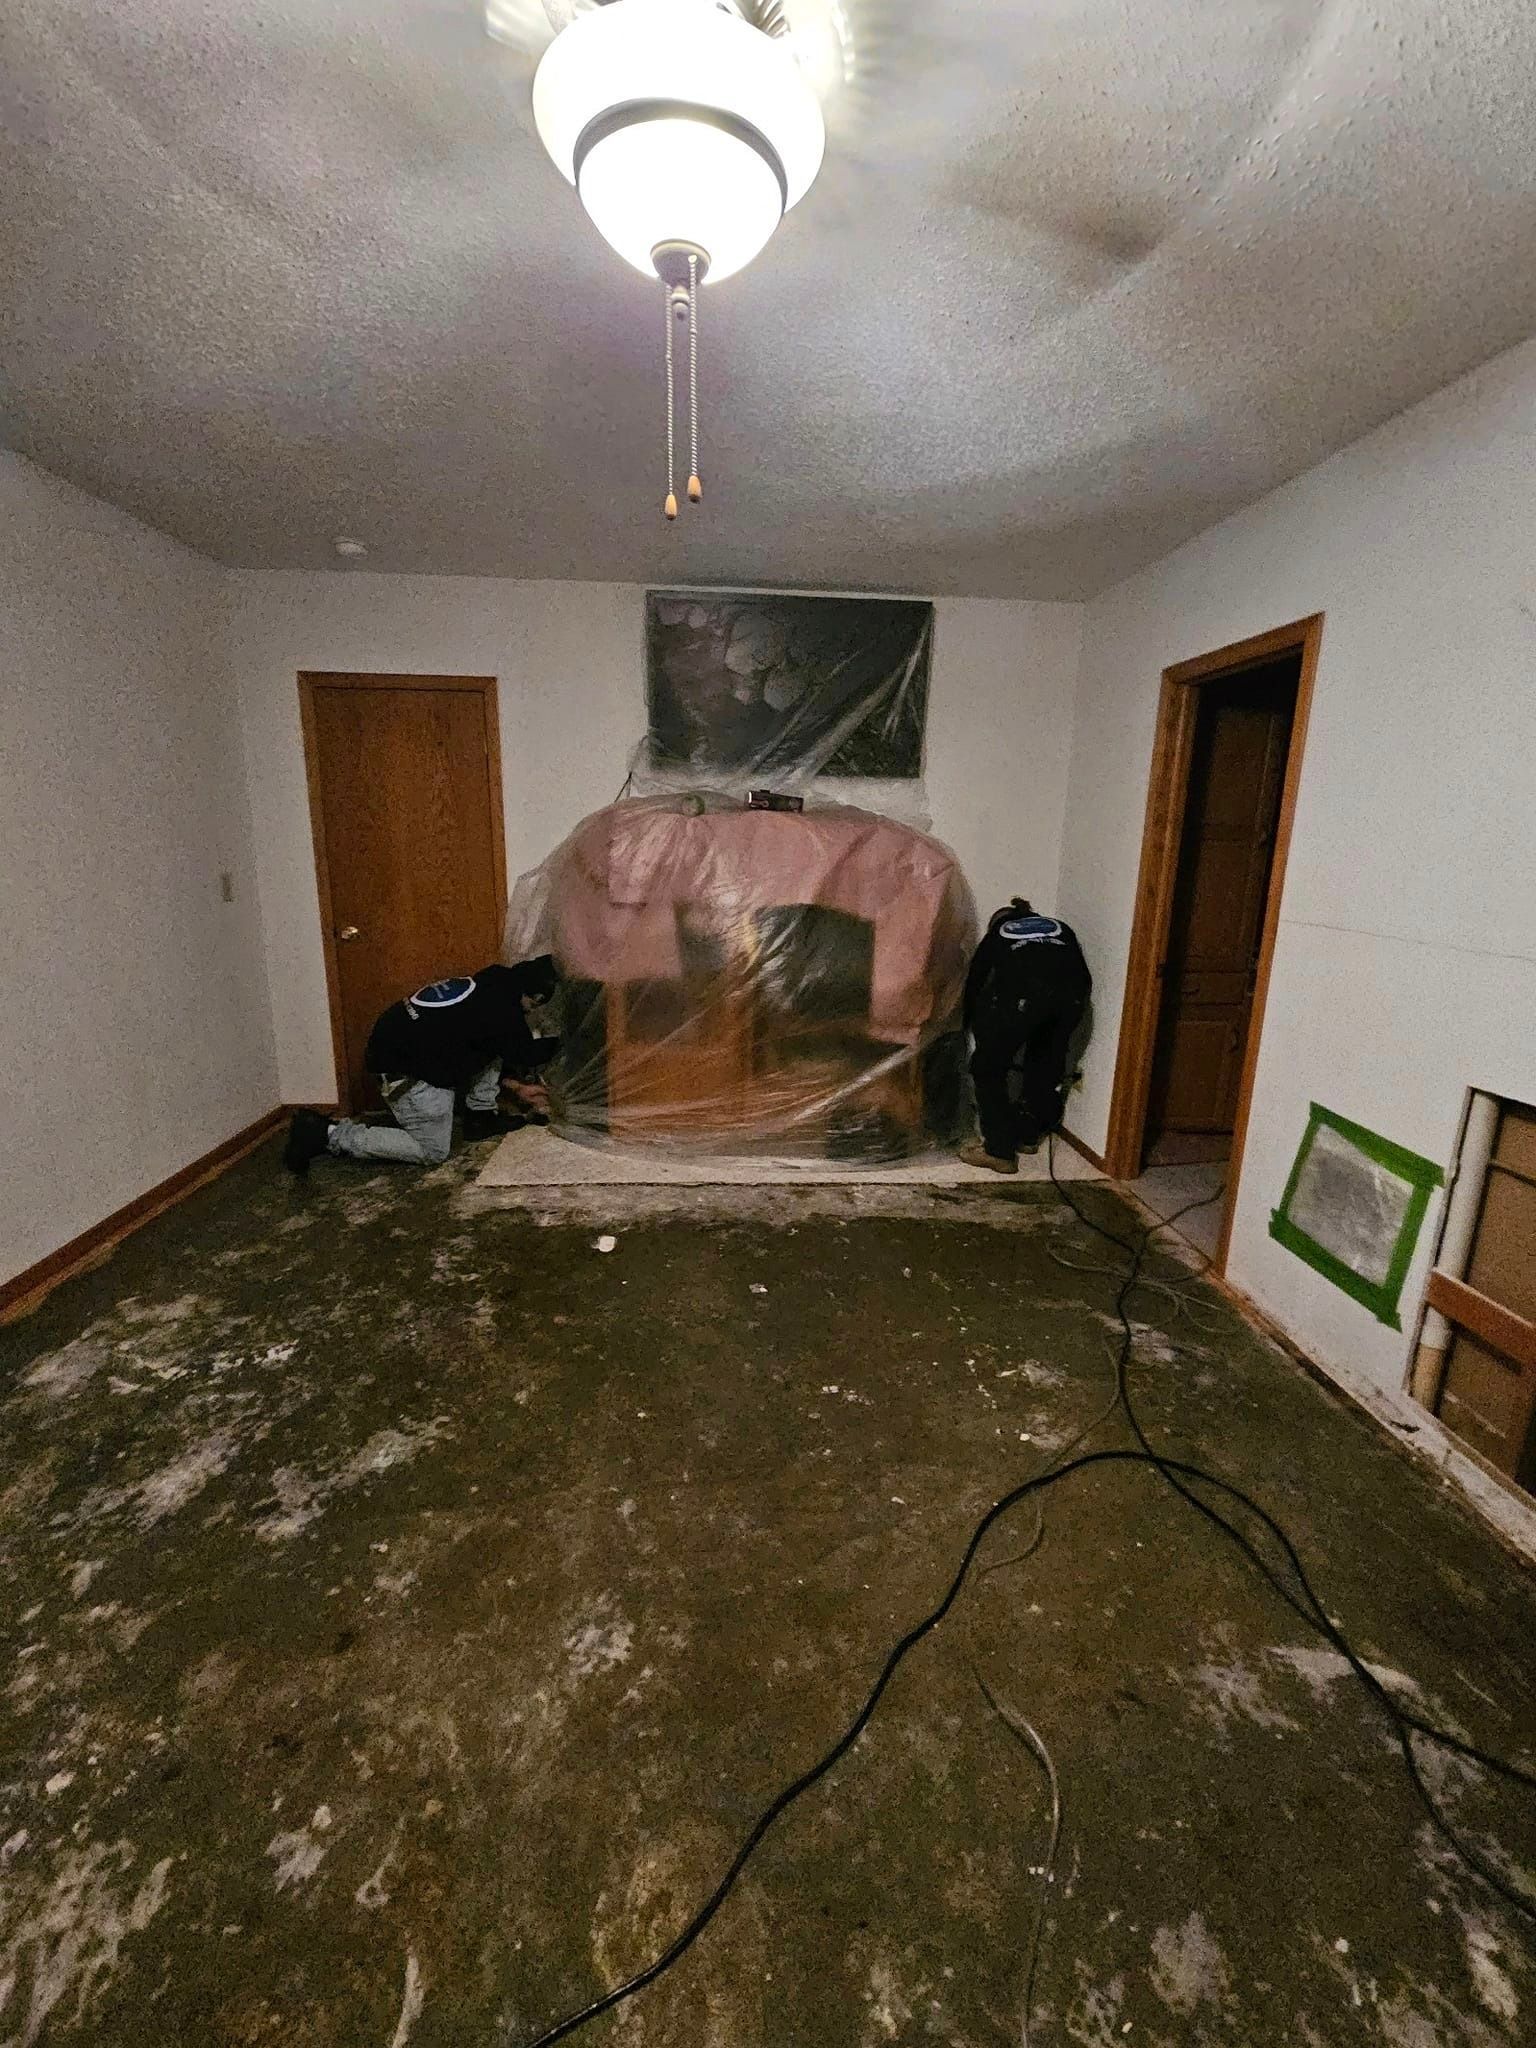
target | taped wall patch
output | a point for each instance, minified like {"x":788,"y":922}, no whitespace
{"x":1353,"y":1208}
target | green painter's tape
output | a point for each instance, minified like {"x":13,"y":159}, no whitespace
{"x":1423,"y":1177}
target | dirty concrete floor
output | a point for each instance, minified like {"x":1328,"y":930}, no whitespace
{"x":408,"y":1607}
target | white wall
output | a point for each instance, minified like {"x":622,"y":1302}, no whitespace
{"x":1405,"y":967}
{"x":134,"y":1032}
{"x":569,"y":658}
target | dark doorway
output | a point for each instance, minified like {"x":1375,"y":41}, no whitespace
{"x":1226,"y":851}
{"x":1221,"y":796}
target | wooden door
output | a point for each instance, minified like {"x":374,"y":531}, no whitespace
{"x":405,"y":796}
{"x":1237,"y":773}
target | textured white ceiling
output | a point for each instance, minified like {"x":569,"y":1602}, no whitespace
{"x":1079,"y":277}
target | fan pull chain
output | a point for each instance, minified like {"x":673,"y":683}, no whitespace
{"x":670,"y":505}
{"x":695,"y":488}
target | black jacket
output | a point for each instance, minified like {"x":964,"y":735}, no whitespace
{"x":451,"y":1030}
{"x":1024,"y":960}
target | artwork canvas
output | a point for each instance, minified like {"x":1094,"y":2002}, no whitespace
{"x":779,"y":688}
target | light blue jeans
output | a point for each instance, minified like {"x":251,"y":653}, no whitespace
{"x":424,"y":1122}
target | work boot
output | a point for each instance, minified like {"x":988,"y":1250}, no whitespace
{"x":309,"y":1137}
{"x":978,"y":1155}
{"x":489,"y":1123}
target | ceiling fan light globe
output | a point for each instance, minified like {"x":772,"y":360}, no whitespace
{"x":676,"y":181}
{"x":661,"y":175}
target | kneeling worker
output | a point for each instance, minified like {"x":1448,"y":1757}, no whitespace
{"x":451,"y":1036}
{"x":1025,"y":1000}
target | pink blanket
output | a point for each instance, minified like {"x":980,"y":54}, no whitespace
{"x":619,"y":882}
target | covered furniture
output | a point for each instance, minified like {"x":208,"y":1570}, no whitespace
{"x":741,"y":980}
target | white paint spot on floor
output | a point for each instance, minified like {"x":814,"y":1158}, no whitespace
{"x":59,"y":1374}
{"x":81,"y":1575}
{"x":297,"y":1854}
{"x":183,"y":1479}
{"x":372,"y":1894}
{"x":890,"y":2008}
{"x":302,"y":1499}
{"x":1093,"y":2018}
{"x":1321,"y":1669}
{"x":1235,"y":1690}
{"x":67,"y":1947}
{"x":601,"y":1639}
{"x":411,"y":2003}
{"x":1149,"y":1343}
{"x":1188,"y":1967}
{"x":387,"y":1448}
{"x":162,"y":1314}
{"x":1490,"y":1981}
{"x":211,"y":1677}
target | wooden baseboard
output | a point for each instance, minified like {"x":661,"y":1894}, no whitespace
{"x":19,"y":1296}
{"x":1082,"y":1150}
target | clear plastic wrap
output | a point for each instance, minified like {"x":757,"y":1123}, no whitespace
{"x":798,"y":694}
{"x":736,"y":980}
{"x":1352,"y":1205}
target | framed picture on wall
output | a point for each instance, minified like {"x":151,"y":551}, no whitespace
{"x":739,"y":684}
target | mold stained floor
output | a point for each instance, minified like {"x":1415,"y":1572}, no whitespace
{"x":407,"y":1607}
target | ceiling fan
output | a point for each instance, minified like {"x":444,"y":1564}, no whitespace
{"x":688,"y":127}
{"x":824,"y":34}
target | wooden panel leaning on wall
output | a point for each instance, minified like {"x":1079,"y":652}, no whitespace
{"x":1487,"y":1392}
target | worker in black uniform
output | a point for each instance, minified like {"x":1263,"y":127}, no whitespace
{"x":1026,"y":996}
{"x":454,"y":1036}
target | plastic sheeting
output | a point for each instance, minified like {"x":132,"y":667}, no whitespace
{"x":747,"y":981}
{"x":1350,"y":1204}
{"x":781,"y":692}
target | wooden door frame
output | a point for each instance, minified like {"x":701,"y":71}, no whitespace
{"x":1167,"y":795}
{"x":312,"y":681}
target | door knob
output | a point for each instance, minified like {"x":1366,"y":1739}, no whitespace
{"x":349,"y":931}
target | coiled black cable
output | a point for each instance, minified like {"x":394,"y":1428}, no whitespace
{"x":1308,"y":1606}
{"x":1177,"y":1473}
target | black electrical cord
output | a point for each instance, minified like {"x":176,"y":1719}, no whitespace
{"x":786,"y":1798}
{"x":1308,"y":1606}
{"x":1173,"y":1470}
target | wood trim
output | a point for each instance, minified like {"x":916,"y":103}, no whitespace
{"x":386,"y":679}
{"x":1513,"y":1336}
{"x":308,"y":684}
{"x":1083,"y":1151}
{"x":1167,"y":791}
{"x":1249,"y":653}
{"x":311,"y":680}
{"x":20,"y":1295}
{"x":490,"y":711}
{"x":1311,"y":645}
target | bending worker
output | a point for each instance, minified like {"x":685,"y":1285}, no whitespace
{"x":1026,"y":996}
{"x":456,"y":1035}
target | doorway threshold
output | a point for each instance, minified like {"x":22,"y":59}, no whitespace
{"x":1167,"y":1189}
